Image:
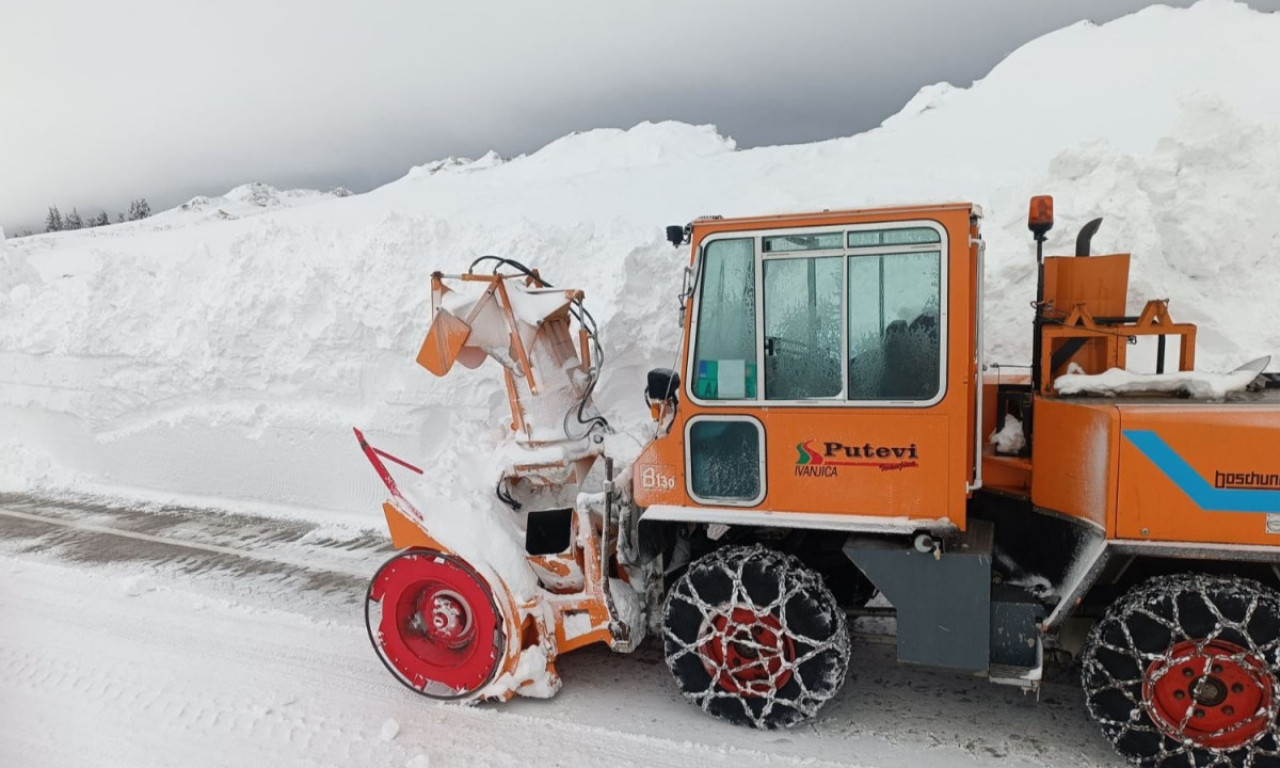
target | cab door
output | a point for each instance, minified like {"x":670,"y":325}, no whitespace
{"x":817,"y":376}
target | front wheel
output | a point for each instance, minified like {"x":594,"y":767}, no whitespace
{"x":754,"y":637}
{"x":1182,"y":671}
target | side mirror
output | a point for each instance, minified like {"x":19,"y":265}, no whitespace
{"x":675,"y":235}
{"x":663,"y":385}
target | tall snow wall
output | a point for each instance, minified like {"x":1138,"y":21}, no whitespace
{"x":224,"y":349}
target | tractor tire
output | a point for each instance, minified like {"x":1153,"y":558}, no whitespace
{"x":1184,"y":670}
{"x":435,"y":624}
{"x":754,"y":637}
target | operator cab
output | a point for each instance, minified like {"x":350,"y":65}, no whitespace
{"x":827,"y":374}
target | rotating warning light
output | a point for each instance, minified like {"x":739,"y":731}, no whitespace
{"x":1040,"y":219}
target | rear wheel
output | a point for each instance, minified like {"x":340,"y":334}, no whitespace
{"x":754,"y":637}
{"x":435,"y":624}
{"x":1182,"y":671}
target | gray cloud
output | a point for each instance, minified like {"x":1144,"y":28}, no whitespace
{"x":106,"y":102}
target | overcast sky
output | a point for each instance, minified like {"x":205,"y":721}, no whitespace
{"x":166,"y":99}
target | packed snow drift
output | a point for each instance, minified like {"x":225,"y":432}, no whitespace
{"x":225,"y":348}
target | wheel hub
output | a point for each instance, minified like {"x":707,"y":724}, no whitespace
{"x":444,"y":617}
{"x":1209,"y":691}
{"x":1217,"y":695}
{"x":746,"y":652}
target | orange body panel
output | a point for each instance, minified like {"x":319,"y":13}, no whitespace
{"x":1099,"y":283}
{"x":1156,"y":469}
{"x":1073,"y":456}
{"x":912,"y":461}
{"x":1200,"y":473}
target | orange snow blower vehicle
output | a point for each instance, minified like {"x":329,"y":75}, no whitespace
{"x":833,"y":432}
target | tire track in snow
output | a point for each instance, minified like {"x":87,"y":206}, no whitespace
{"x":102,"y":529}
{"x":266,"y":559}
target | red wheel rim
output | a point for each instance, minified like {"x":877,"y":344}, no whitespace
{"x":439,"y":631}
{"x":746,"y":652}
{"x":1219,"y":696}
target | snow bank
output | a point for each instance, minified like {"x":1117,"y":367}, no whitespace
{"x":454,"y":165}
{"x":608,"y":149}
{"x":244,"y":200}
{"x":14,"y":271}
{"x":228,"y":356}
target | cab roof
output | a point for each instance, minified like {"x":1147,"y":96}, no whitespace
{"x":818,"y":218}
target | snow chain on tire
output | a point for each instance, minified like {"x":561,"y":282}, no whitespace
{"x":1182,"y":671}
{"x":755,"y":637}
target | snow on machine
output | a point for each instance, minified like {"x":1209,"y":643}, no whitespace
{"x":830,"y":435}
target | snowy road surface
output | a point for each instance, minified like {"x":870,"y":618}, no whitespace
{"x":182,"y":637}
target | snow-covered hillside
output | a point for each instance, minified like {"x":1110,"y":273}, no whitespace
{"x":225,"y":348}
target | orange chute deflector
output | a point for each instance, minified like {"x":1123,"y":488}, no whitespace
{"x":445,"y":340}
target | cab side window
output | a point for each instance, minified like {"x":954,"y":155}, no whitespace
{"x":852,"y":315}
{"x":802,"y":344}
{"x":724,"y":365}
{"x":725,"y":460}
{"x":894,"y":326}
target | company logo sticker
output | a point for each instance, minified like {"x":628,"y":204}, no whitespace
{"x":1253,"y":481}
{"x":827,"y":459}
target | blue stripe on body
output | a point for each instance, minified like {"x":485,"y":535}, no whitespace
{"x":1196,"y":487}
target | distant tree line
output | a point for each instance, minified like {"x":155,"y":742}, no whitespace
{"x":56,"y":222}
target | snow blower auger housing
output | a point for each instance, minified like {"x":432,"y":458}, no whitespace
{"x":833,"y":432}
{"x":445,"y":619}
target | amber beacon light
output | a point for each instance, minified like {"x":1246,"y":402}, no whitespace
{"x":1040,"y":218}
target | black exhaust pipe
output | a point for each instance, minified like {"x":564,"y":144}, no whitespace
{"x":1086,"y":234}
